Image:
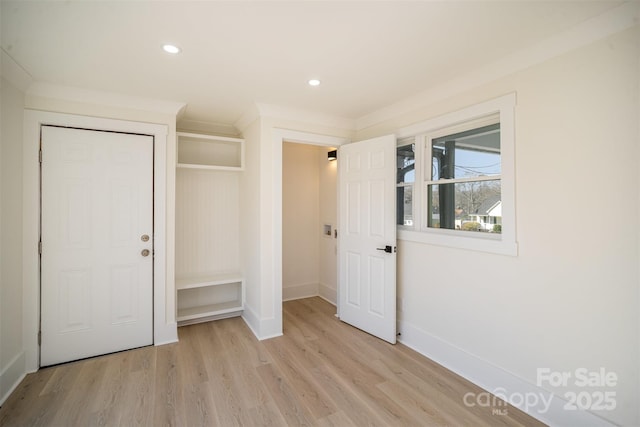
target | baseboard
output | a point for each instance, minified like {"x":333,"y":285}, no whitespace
{"x":251,"y":320}
{"x":308,"y":290}
{"x":12,"y":376}
{"x":497,"y":381}
{"x":328,"y":294}
{"x":262,"y":329}
{"x":166,"y":335}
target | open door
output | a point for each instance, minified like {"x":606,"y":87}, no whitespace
{"x":367,"y":240}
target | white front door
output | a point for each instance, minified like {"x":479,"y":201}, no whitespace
{"x":367,"y":237}
{"x":97,"y":243}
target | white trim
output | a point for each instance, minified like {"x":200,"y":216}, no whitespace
{"x":495,"y":379}
{"x":328,"y":294}
{"x":311,"y":138}
{"x":12,"y":374}
{"x":247,"y":118}
{"x":251,"y":319}
{"x":611,"y":22}
{"x":210,"y":137}
{"x":95,"y":97}
{"x":506,"y":244}
{"x":469,"y":179}
{"x":263,"y":329}
{"x":476,"y":111}
{"x":290,"y":293}
{"x":304,"y":116}
{"x":164,"y":326}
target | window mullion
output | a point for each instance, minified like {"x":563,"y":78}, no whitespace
{"x":425,"y":158}
{"x":460,"y":180}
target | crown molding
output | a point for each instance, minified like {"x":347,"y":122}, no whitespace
{"x":248,"y":117}
{"x":304,"y":116}
{"x":14,"y":73}
{"x":87,"y":96}
{"x":611,"y":22}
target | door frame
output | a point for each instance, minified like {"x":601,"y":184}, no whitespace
{"x":279,"y":136}
{"x":164,"y":326}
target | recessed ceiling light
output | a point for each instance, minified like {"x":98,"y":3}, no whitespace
{"x":314,"y":82}
{"x":170,"y":48}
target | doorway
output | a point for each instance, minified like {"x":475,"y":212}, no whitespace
{"x":309,"y":222}
{"x":164,"y":325}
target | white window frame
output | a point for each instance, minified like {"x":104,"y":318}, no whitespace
{"x":415,"y":185}
{"x":504,"y":243}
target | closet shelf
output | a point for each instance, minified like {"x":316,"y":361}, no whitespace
{"x":208,"y":152}
{"x":209,"y":167}
{"x":198,"y":312}
{"x":209,"y":199}
{"x":210,"y":280}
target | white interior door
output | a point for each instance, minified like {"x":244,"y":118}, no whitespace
{"x":367,"y":285}
{"x":96,"y":229}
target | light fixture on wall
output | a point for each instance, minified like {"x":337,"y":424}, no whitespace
{"x":332,"y":155}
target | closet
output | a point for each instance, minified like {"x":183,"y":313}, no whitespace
{"x":309,"y":217}
{"x":208,"y":279}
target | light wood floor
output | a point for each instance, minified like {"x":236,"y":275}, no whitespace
{"x":321,"y":372}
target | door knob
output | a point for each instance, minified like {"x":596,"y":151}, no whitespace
{"x":145,"y":252}
{"x":388,"y":249}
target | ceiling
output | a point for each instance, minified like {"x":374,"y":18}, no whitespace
{"x":368,"y":54}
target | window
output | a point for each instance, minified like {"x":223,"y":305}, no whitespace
{"x":463,"y":183}
{"x":406,"y":177}
{"x":455,"y":181}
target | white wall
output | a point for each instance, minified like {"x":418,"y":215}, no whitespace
{"x":300,"y":221}
{"x":12,"y":362}
{"x":570,"y":299}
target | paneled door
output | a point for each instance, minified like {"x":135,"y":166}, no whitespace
{"x":367,"y":238}
{"x":96,"y":243}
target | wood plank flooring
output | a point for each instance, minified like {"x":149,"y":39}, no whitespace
{"x":322,"y":372}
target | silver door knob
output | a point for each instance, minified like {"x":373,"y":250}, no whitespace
{"x":144,"y":237}
{"x":145,"y":252}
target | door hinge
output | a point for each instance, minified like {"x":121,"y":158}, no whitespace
{"x":39,"y":337}
{"x":40,"y":247}
{"x":40,"y":156}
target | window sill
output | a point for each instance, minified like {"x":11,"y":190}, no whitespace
{"x":495,"y":244}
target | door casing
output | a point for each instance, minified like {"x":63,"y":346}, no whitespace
{"x":165,"y":327}
{"x":272,"y":326}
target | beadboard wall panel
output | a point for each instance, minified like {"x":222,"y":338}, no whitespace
{"x":207,"y":222}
